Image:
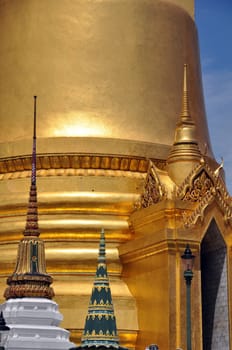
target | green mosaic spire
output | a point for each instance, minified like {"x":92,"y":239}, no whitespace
{"x":100,"y":325}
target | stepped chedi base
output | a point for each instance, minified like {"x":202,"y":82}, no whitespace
{"x":34,"y":324}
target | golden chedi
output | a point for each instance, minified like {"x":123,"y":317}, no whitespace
{"x":109,"y":76}
{"x":32,"y":317}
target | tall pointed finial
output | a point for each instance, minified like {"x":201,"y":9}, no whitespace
{"x":185,"y":152}
{"x":185,"y":114}
{"x":33,"y":168}
{"x":32,"y":228}
{"x":186,"y":129}
{"x":102,"y":252}
{"x":100,"y":325}
{"x":30,"y":278}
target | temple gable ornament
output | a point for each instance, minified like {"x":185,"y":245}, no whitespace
{"x":201,"y":188}
{"x":154,"y":190}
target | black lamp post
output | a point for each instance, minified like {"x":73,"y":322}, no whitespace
{"x":153,"y":347}
{"x":4,"y":330}
{"x":188,"y":261}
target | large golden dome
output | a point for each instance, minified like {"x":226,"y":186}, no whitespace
{"x":102,"y":69}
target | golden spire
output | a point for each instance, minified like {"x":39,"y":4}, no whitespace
{"x":186,"y":129}
{"x":185,"y":152}
{"x":32,"y":228}
{"x":30,"y":278}
{"x":185,"y":114}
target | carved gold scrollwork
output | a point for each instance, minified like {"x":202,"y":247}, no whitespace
{"x":201,"y":185}
{"x":154,"y":191}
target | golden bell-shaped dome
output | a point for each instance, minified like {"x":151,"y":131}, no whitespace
{"x":105,"y":69}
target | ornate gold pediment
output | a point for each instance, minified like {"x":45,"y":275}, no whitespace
{"x":201,"y":188}
{"x":196,"y":187}
{"x":154,"y":190}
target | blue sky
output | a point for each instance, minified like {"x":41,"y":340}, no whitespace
{"x":214,"y":22}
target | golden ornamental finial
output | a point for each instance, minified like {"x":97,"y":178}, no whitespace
{"x":185,"y":99}
{"x":186,"y":129}
{"x":185,"y":152}
{"x":217,"y":171}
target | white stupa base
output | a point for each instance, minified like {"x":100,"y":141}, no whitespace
{"x":34,"y":324}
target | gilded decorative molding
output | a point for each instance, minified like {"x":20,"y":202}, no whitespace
{"x":149,"y":250}
{"x":26,"y":285}
{"x":154,"y":190}
{"x":73,"y":172}
{"x":77,"y":161}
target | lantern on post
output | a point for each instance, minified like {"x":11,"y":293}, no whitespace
{"x":188,"y":262}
